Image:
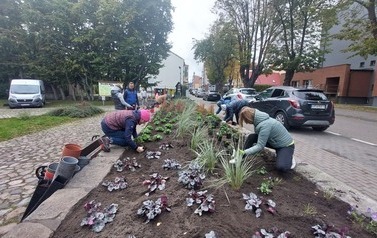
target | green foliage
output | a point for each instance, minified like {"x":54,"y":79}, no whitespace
{"x":159,"y":128}
{"x":310,"y":210}
{"x":198,"y":136}
{"x":207,"y":155}
{"x":186,"y":120}
{"x":268,"y":184}
{"x":14,"y":127}
{"x":262,"y":170}
{"x":217,"y":51}
{"x":83,"y":42}
{"x":78,"y":111}
{"x":157,"y":137}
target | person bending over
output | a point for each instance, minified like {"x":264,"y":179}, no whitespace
{"x":120,"y":126}
{"x":234,"y":108}
{"x":268,"y":133}
{"x":117,"y":96}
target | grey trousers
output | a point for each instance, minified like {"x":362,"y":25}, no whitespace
{"x":284,"y":155}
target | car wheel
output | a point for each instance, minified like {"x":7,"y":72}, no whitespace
{"x":280,"y":117}
{"x":319,"y":128}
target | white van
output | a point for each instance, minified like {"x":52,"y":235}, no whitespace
{"x":26,"y":93}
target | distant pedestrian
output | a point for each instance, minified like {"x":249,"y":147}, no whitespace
{"x":120,"y":127}
{"x":130,"y":96}
{"x":143,"y":94}
{"x":268,"y":133}
{"x":117,"y":97}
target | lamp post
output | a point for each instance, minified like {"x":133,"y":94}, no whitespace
{"x":180,"y":79}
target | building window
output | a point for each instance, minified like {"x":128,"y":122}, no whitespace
{"x":307,"y":83}
{"x":372,"y":63}
{"x":295,"y":84}
{"x":362,"y":64}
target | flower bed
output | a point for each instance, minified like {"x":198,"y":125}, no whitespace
{"x":290,"y":205}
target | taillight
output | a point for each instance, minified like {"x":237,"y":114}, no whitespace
{"x":294,"y":103}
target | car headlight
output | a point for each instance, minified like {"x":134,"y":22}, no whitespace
{"x":37,"y":97}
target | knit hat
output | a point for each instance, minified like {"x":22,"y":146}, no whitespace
{"x":145,"y":115}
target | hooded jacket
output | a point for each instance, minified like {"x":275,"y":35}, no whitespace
{"x":124,"y":120}
{"x":269,"y":131}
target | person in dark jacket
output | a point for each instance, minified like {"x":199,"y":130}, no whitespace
{"x":130,"y":97}
{"x":117,"y":96}
{"x":268,"y":133}
{"x":120,"y":126}
{"x":221,"y":102}
{"x":234,"y":108}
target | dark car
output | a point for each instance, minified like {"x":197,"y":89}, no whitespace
{"x":212,"y":96}
{"x":295,"y":107}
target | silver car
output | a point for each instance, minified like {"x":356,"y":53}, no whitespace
{"x":242,"y":93}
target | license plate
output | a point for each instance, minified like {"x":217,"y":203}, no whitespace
{"x":24,"y":105}
{"x":318,"y":106}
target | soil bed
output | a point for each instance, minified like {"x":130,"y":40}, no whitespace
{"x":300,"y":204}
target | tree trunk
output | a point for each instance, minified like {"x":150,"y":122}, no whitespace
{"x":61,"y":92}
{"x":72,"y":92}
{"x":54,"y":92}
{"x":288,"y":77}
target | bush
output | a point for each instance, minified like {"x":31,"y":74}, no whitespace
{"x":77,"y":111}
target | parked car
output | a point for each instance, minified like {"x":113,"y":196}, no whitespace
{"x":193,"y":91}
{"x":199,"y":93}
{"x":297,"y":107}
{"x":212,"y":96}
{"x":242,"y":93}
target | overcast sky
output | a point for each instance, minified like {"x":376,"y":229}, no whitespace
{"x":191,"y":19}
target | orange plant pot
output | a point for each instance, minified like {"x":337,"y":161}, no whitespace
{"x":72,"y":150}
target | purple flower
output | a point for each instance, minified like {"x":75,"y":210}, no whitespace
{"x":374,"y":216}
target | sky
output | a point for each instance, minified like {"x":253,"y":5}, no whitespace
{"x":192,"y":20}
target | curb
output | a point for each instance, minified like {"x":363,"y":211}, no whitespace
{"x":45,"y":220}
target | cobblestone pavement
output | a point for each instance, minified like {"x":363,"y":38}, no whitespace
{"x":20,"y":157}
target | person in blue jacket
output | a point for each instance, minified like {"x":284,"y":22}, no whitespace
{"x":221,"y":102}
{"x":130,"y":97}
{"x":234,"y":108}
{"x":268,"y":133}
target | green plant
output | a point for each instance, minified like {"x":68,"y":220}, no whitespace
{"x":156,"y":137}
{"x":236,"y":173}
{"x":265,"y":187}
{"x":328,"y":194}
{"x":159,"y":128}
{"x":186,"y":120}
{"x":207,"y":155}
{"x":310,"y":210}
{"x":80,"y":110}
{"x":268,"y":184}
{"x":167,"y":131}
{"x":24,"y":115}
{"x":367,"y":221}
{"x":262,"y":170}
{"x":197,"y":137}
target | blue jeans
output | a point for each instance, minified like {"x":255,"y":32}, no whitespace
{"x":116,"y":136}
{"x":284,"y":155}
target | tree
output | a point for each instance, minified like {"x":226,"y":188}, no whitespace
{"x":217,"y":51}
{"x":298,"y":47}
{"x":359,"y":25}
{"x":257,"y":26}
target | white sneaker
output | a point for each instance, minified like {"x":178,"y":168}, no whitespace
{"x":293,"y":163}
{"x":232,"y":161}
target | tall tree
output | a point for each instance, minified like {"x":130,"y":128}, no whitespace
{"x":298,"y":48}
{"x":359,"y":25}
{"x":257,"y":27}
{"x":217,"y":51}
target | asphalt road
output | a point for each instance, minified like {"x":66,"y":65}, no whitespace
{"x":353,"y":136}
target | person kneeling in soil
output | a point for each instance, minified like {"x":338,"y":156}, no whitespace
{"x":268,"y":133}
{"x":120,"y":126}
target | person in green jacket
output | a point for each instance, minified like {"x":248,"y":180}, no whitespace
{"x":268,"y":133}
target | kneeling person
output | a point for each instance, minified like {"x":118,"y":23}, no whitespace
{"x":268,"y":133}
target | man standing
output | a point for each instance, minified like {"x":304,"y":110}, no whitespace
{"x":117,"y":96}
{"x":130,"y":96}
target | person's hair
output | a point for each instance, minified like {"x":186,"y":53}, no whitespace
{"x":247,"y":115}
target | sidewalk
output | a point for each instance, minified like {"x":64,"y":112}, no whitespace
{"x":21,"y":156}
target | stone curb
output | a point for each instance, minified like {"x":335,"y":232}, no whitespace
{"x":45,"y":220}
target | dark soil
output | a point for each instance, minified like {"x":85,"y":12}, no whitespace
{"x":293,"y":196}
